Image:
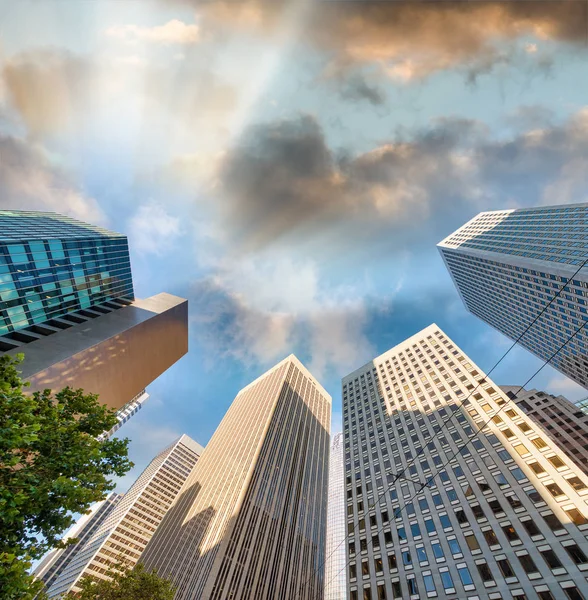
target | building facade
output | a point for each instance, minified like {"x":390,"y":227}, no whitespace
{"x":335,"y":577}
{"x":562,"y":420}
{"x":67,"y":304}
{"x":52,"y":265}
{"x":451,"y":491}
{"x":123,"y":535}
{"x":251,"y":519}
{"x":508,"y":265}
{"x":57,"y":560}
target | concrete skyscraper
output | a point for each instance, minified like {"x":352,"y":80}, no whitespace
{"x":504,"y":516}
{"x":129,"y":525}
{"x":508,"y":265}
{"x":562,"y":421}
{"x":67,"y":303}
{"x":250,"y":521}
{"x":55,"y":562}
{"x":335,"y":578}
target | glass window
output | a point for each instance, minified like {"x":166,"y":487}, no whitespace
{"x":465,"y":575}
{"x":352,"y":571}
{"x":576,"y":516}
{"x":365,"y":568}
{"x":554,"y":489}
{"x":576,"y":483}
{"x":406,"y":558}
{"x":518,"y":474}
{"x":429,"y":583}
{"x":446,"y":580}
{"x":573,"y":593}
{"x":539,"y":443}
{"x":552,"y":521}
{"x":551,"y":559}
{"x":415,"y":530}
{"x":472,"y":542}
{"x":421,"y":554}
{"x":367,"y":594}
{"x":454,"y":546}
{"x":461,"y":517}
{"x":556,"y":461}
{"x":510,"y":533}
{"x":381,"y":591}
{"x":531,"y":527}
{"x":401,"y":534}
{"x":412,"y":587}
{"x":445,"y":522}
{"x":437,"y":550}
{"x":392,"y":564}
{"x":396,"y":589}
{"x":528,"y":564}
{"x":576,"y":554}
{"x":537,"y":468}
{"x":490,"y":537}
{"x":485,"y":572}
{"x":505,"y":567}
{"x":423,"y":504}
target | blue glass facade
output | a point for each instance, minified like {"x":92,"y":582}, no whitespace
{"x":509,"y":265}
{"x":52,"y":265}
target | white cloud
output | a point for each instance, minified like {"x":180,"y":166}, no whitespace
{"x":30,"y":180}
{"x":566,"y":387}
{"x":153,"y":230}
{"x":173,"y":32}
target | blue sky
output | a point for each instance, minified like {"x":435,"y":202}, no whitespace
{"x":289,"y":167}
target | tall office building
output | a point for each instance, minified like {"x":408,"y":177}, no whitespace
{"x":562,"y":421}
{"x":507,"y":265}
{"x":128,"y":527}
{"x":251,"y":519}
{"x":57,"y":560}
{"x":335,"y":578}
{"x":67,"y":303}
{"x":429,"y":516}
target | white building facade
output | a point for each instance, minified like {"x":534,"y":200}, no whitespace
{"x":124,"y":534}
{"x":451,"y":491}
{"x":335,"y":578}
{"x":507,"y":265}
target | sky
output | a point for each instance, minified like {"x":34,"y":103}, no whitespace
{"x":289,"y":166}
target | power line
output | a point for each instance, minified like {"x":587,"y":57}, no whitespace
{"x":445,"y":423}
{"x":458,"y":451}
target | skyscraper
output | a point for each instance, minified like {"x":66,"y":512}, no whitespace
{"x":128,"y":527}
{"x":507,"y":266}
{"x":561,"y":420}
{"x":55,"y":562}
{"x":250,"y":521}
{"x":67,"y":303}
{"x":335,"y":578}
{"x":427,"y":515}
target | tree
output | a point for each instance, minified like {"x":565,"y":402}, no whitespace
{"x":126,"y":584}
{"x":52,"y":466}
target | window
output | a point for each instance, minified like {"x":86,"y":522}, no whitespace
{"x":423,"y":504}
{"x":537,"y":468}
{"x":547,"y":595}
{"x":465,"y":575}
{"x":367,"y":594}
{"x":510,"y":533}
{"x":396,"y":589}
{"x":478,"y":512}
{"x":437,"y":550}
{"x":531,"y":528}
{"x":430,"y":526}
{"x":446,"y":580}
{"x":521,"y":449}
{"x":381,"y":591}
{"x":554,"y":489}
{"x":514,"y":501}
{"x":454,"y":546}
{"x":401,"y":534}
{"x":387,"y":537}
{"x":528,"y":564}
{"x":392,"y":564}
{"x":429,"y":583}
{"x":551,"y":559}
{"x":412,"y":586}
{"x":576,"y":483}
{"x":415,"y":530}
{"x":573,"y":593}
{"x":505,"y":567}
{"x":461,"y":517}
{"x":472,"y":542}
{"x":552,"y":521}
{"x":485,"y":572}
{"x":365,"y":568}
{"x":490,"y":537}
{"x":556,"y":461}
{"x":518,"y":474}
{"x":576,"y":516}
{"x":406,"y":558}
{"x":421,"y":554}
{"x":539,"y":443}
{"x":378,"y":565}
{"x":445,"y":522}
{"x":495,"y":506}
{"x":352,"y":571}
{"x":576,"y":554}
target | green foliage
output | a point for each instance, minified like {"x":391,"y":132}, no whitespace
{"x":51,"y":467}
{"x":126,"y":584}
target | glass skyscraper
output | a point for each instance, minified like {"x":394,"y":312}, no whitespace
{"x":507,"y":265}
{"x":451,"y":490}
{"x":250,"y":521}
{"x":52,"y":265}
{"x":335,"y":583}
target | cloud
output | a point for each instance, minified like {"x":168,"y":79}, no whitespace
{"x":173,"y":32}
{"x":29,"y":180}
{"x":282,"y":182}
{"x":356,"y":88}
{"x":153,"y":230}
{"x":259,"y":310}
{"x":566,"y":387}
{"x":411,"y":40}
